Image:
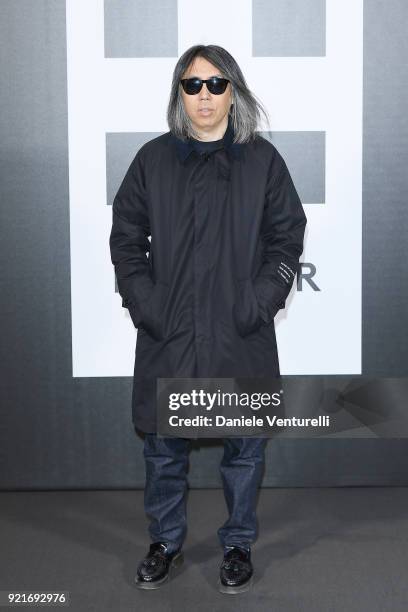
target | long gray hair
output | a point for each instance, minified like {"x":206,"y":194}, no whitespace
{"x":245,"y":110}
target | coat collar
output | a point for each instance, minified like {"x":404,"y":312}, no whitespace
{"x":185,"y":147}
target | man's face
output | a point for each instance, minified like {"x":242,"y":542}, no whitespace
{"x":206,"y":110}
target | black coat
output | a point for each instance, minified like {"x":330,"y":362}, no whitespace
{"x":226,"y":233}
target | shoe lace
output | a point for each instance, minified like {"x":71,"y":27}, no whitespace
{"x":233,"y":560}
{"x":154,"y":558}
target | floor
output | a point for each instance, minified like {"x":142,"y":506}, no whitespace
{"x":319,"y":549}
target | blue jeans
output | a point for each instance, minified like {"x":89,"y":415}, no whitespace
{"x":166,"y":463}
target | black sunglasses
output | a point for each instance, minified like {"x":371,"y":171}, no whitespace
{"x":215,"y":85}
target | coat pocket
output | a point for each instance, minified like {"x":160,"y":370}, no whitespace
{"x":149,"y":315}
{"x":245,"y":309}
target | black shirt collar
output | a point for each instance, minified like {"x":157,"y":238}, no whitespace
{"x":185,"y":147}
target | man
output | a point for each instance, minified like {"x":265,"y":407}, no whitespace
{"x":227,"y":229}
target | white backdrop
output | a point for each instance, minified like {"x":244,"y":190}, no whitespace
{"x":319,"y":332}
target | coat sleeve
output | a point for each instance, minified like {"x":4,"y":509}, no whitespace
{"x":129,"y":241}
{"x":282,"y":230}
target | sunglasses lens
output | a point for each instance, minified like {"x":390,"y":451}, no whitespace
{"x":192,"y":86}
{"x":217,"y":85}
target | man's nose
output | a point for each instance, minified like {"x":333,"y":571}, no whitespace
{"x":204,"y":93}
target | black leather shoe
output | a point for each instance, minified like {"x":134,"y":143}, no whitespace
{"x":154,"y":570}
{"x":236,"y":571}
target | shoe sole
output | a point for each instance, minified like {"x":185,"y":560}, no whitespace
{"x":234,"y":590}
{"x":176,"y":562}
